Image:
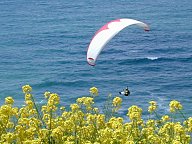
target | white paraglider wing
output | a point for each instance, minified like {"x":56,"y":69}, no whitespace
{"x":106,"y":33}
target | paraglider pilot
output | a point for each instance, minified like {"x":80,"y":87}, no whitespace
{"x":126,"y":92}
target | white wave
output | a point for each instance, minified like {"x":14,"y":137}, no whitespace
{"x":152,"y":58}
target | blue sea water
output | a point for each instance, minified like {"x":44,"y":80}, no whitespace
{"x":43,"y":43}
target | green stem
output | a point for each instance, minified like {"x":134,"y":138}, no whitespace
{"x":158,"y":117}
{"x":182,"y":114}
{"x":50,"y":126}
{"x":38,"y":113}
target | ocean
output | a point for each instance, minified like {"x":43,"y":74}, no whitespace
{"x":43,"y":43}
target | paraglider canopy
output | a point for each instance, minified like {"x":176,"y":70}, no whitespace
{"x":106,"y":33}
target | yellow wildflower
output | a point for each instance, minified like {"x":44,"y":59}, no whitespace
{"x":150,"y":123}
{"x":130,"y":142}
{"x":28,"y":96}
{"x":84,"y":123}
{"x":178,"y":128}
{"x":27,"y":89}
{"x":175,"y":105}
{"x":47,"y":94}
{"x":165,"y":118}
{"x":32,"y":112}
{"x":153,"y":102}
{"x":43,"y":133}
{"x":74,"y":107}
{"x":100,"y":120}
{"x":88,"y":101}
{"x":134,"y":113}
{"x":91,"y":118}
{"x":62,"y":108}
{"x":9,"y":100}
{"x":9,"y":137}
{"x":176,"y":142}
{"x":10,"y":125}
{"x":53,"y":99}
{"x":85,"y":101}
{"x":96,"y":110}
{"x":29,"y":104}
{"x":57,"y":133}
{"x":93,"y":91}
{"x":117,"y":101}
{"x":6,"y":110}
{"x":152,"y":107}
{"x":188,"y":124}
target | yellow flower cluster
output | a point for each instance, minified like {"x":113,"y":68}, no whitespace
{"x":9,"y":100}
{"x":175,"y":105}
{"x":134,"y":113}
{"x":117,"y":101}
{"x":85,"y":101}
{"x":165,"y":118}
{"x":94,"y":91}
{"x":27,"y":89}
{"x":152,"y":107}
{"x":84,"y":124}
{"x":188,"y":124}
